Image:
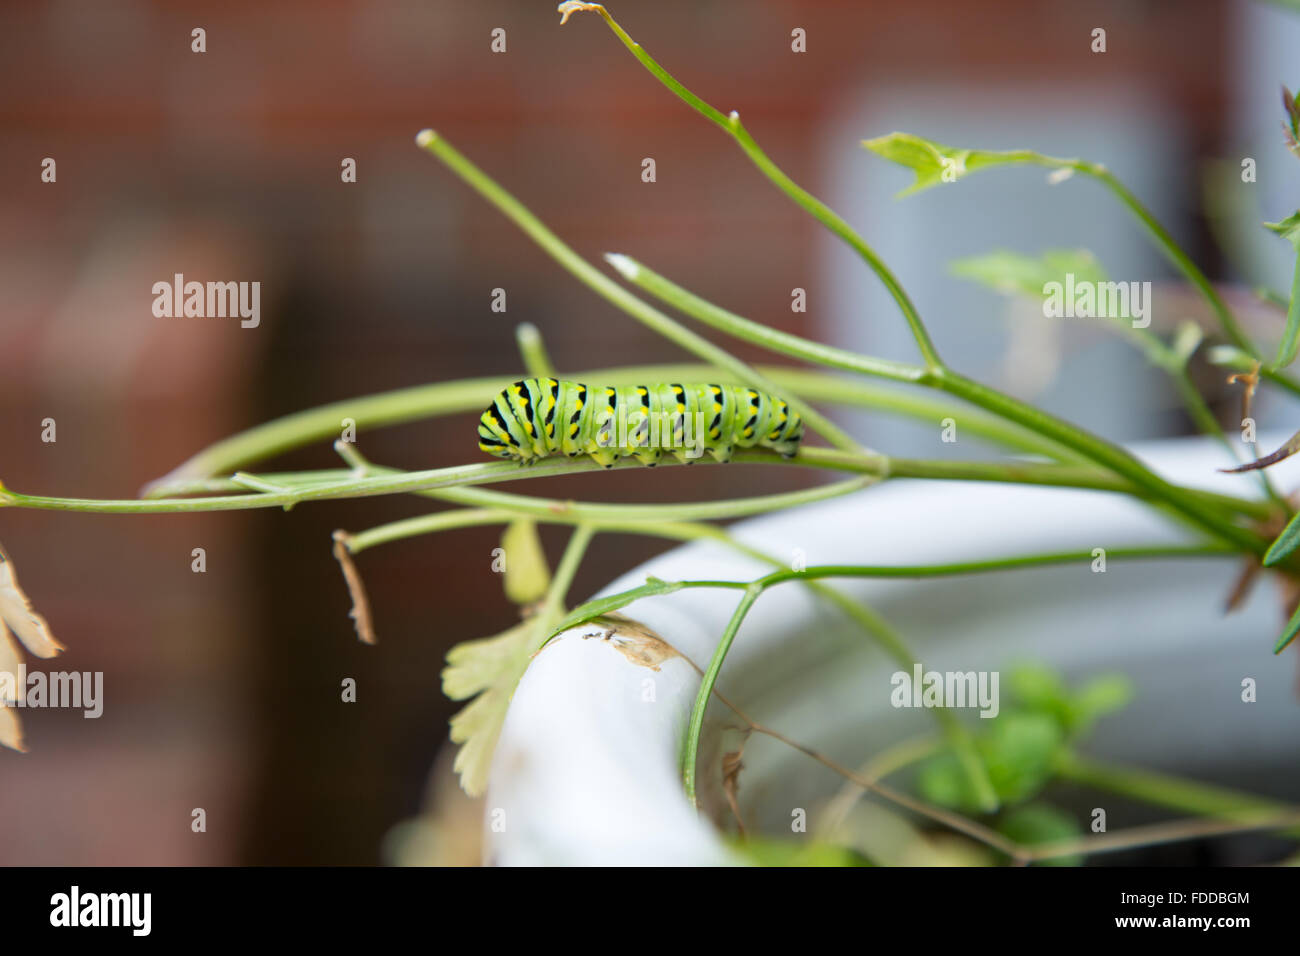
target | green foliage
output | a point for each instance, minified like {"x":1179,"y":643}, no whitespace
{"x":935,"y":163}
{"x":1288,"y":540}
{"x":1017,"y":751}
{"x":527,"y":575}
{"x":763,"y":851}
{"x":1038,"y":823}
{"x":1288,"y":229}
{"x":490,"y":668}
{"x":1021,"y":746}
{"x":1013,"y":272}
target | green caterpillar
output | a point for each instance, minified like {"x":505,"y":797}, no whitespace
{"x":539,"y":417}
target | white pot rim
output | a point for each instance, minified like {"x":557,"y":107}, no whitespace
{"x":586,"y":768}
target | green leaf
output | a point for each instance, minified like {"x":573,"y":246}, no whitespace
{"x":942,"y":781}
{"x":1100,"y":696}
{"x":1042,"y":690}
{"x":1039,"y":688}
{"x":1012,"y":272}
{"x":768,"y":852}
{"x":491,"y":668}
{"x":1288,"y":229}
{"x":1037,"y":823}
{"x":614,"y":602}
{"x":935,"y":163}
{"x":1285,"y":544}
{"x":1019,"y":752}
{"x":527,"y":575}
{"x":1288,"y":633}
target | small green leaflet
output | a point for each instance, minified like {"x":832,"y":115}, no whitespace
{"x":1289,"y":229}
{"x":614,"y":602}
{"x":1015,"y":273}
{"x":935,"y":163}
{"x":487,"y":670}
{"x":1286,"y":542}
{"x":1037,"y":823}
{"x":1289,"y":632}
{"x":527,"y":575}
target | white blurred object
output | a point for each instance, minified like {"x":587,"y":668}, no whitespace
{"x":586,"y":771}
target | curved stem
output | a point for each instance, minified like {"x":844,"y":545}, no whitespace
{"x":532,"y":350}
{"x":753,"y":589}
{"x":1104,"y":453}
{"x":610,"y":290}
{"x":815,"y":207}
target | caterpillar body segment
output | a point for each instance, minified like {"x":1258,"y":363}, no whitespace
{"x":541,"y":417}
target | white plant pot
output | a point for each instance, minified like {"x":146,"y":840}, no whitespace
{"x":586,"y":770}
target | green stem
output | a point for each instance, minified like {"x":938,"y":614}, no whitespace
{"x":1060,"y":432}
{"x":762,"y":335}
{"x":921,"y":406}
{"x":1287,"y":349}
{"x":533,"y":351}
{"x":755,"y":588}
{"x":413,"y":404}
{"x":1031,"y":473}
{"x":1235,"y":360}
{"x":815,"y":207}
{"x":499,"y":506}
{"x":897,"y":756}
{"x":874,"y":624}
{"x":1104,"y":453}
{"x":399,"y":483}
{"x":1171,"y":249}
{"x":553,"y":604}
{"x":691,"y":757}
{"x":610,"y":290}
{"x":1186,"y":796}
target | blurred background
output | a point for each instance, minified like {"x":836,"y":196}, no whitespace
{"x":222,"y":688}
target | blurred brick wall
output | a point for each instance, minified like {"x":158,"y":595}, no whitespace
{"x":222,"y":689}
